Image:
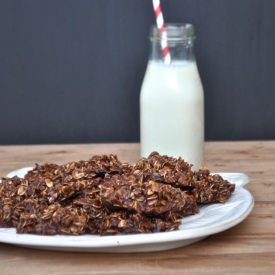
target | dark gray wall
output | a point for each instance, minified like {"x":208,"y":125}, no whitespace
{"x":70,"y":71}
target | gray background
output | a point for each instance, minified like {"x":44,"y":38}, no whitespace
{"x":70,"y":71}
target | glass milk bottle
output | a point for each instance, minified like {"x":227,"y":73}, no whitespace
{"x":172,"y":99}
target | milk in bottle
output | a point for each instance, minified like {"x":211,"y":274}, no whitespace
{"x":171,"y":99}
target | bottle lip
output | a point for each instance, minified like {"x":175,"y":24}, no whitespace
{"x":174,"y":32}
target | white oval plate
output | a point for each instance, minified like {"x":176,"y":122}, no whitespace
{"x":212,"y":219}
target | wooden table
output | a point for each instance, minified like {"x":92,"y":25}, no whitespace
{"x":245,"y":249}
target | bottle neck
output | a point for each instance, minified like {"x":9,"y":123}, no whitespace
{"x":180,"y":40}
{"x":179,"y":50}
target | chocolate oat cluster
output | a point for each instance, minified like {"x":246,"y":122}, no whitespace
{"x":104,"y":196}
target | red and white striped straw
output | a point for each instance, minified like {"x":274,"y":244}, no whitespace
{"x":161,"y":26}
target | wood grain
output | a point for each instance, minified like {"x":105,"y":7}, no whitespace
{"x":248,"y":248}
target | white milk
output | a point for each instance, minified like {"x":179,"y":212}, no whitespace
{"x":172,"y":111}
